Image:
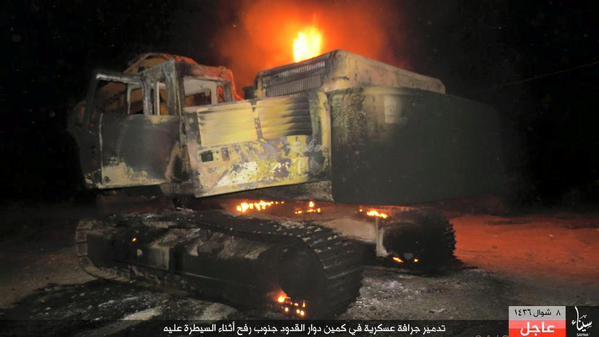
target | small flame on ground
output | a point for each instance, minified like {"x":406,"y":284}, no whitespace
{"x":312,"y":209}
{"x":307,"y":44}
{"x":287,"y":305}
{"x":261,"y":205}
{"x":374,"y":213}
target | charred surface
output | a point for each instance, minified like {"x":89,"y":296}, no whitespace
{"x":339,"y":70}
{"x":258,"y":143}
{"x":242,"y":261}
{"x":421,"y":240}
{"x":399,"y":145}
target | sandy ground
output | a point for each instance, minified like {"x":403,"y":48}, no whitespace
{"x":559,"y":248}
{"x":547,"y":258}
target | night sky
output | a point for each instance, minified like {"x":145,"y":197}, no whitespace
{"x":536,"y":62}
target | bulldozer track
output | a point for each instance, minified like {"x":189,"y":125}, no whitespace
{"x":341,"y":260}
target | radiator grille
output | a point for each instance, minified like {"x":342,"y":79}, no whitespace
{"x":227,"y":124}
{"x":281,"y":117}
{"x":241,"y":122}
{"x":293,"y":87}
{"x":294,"y":79}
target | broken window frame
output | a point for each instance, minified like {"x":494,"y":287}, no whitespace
{"x":153,"y":79}
{"x":130,"y":88}
{"x":108,"y":77}
{"x":207,"y":85}
{"x":157,"y":86}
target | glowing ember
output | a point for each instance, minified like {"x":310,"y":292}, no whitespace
{"x":397,"y":259}
{"x":376,"y":214}
{"x":308,"y":211}
{"x":289,"y":307}
{"x":261,"y":205}
{"x":311,"y":209}
{"x":307,"y":44}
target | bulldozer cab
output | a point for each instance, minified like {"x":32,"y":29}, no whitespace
{"x":130,"y":123}
{"x":158,"y":91}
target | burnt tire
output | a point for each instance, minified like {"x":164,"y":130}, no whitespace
{"x":423,"y":240}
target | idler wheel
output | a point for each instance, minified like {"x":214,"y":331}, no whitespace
{"x":421,"y":240}
{"x":300,"y":273}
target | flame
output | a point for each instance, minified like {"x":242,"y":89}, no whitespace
{"x":307,"y":44}
{"x":290,"y":307}
{"x":311,"y":209}
{"x":262,"y":38}
{"x":261,"y":205}
{"x":376,"y":214}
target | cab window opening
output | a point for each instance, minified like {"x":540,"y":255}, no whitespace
{"x":201,"y":92}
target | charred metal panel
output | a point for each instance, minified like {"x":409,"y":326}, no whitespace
{"x":226,"y":124}
{"x":128,"y":127}
{"x":339,"y":70}
{"x":85,"y":135}
{"x":159,"y":81}
{"x":121,"y":146}
{"x":136,"y":149}
{"x":284,"y":117}
{"x":399,"y":145}
{"x":255,"y":144}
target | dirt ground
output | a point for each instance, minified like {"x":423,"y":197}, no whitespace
{"x":543,"y":258}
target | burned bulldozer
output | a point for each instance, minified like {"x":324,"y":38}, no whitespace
{"x":337,"y":128}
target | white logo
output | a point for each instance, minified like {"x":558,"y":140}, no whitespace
{"x":580,"y":325}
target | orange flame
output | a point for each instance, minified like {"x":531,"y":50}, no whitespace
{"x":311,"y":209}
{"x":376,"y":214}
{"x":307,"y":44}
{"x":261,"y":205}
{"x":281,"y":298}
{"x":289,"y":306}
{"x":263,"y":36}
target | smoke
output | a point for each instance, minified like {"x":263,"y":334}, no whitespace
{"x":260,"y":34}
